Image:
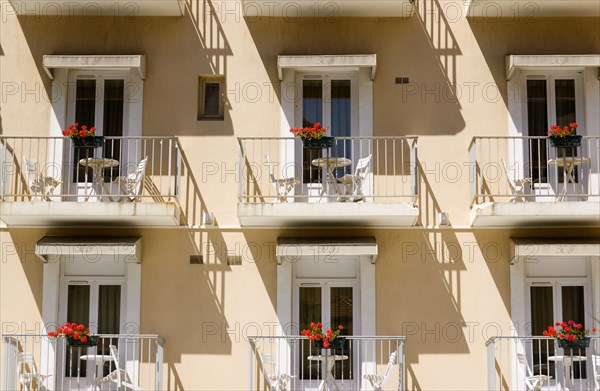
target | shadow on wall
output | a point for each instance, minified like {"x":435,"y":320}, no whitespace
{"x":532,"y":35}
{"x":427,"y":105}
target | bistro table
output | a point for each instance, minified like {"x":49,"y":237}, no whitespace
{"x":97,"y":164}
{"x":567,"y":364}
{"x":329,"y":380}
{"x":99,"y":359}
{"x":568,"y":164}
{"x":331,"y":164}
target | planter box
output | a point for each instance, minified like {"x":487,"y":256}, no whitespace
{"x":92,"y":341}
{"x":579,"y":344}
{"x":337,"y":343}
{"x":93,"y":141}
{"x":323,"y":142}
{"x":566,"y":142}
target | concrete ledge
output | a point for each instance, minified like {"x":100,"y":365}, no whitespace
{"x":335,"y":213}
{"x":523,"y":214}
{"x":37,"y":213}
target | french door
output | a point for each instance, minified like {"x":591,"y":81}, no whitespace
{"x":550,"y":301}
{"x":551,"y":98}
{"x":96,"y":302}
{"x":332,"y":303}
{"x":331,"y":100}
{"x":97,"y":100}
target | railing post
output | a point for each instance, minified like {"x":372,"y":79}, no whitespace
{"x":491,"y":354}
{"x":250,"y":366}
{"x":402,"y":366}
{"x":415,"y":168}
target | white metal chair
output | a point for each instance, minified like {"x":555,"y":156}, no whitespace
{"x":353,"y":182}
{"x":28,"y":373}
{"x":377,"y":381}
{"x":119,"y":376}
{"x":532,"y":382}
{"x":518,"y":187}
{"x":131,"y":185}
{"x":596,"y":370}
{"x":276,"y":381}
{"x":42,"y":187}
{"x":282,"y":185}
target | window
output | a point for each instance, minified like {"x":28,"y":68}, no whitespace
{"x":210,"y":97}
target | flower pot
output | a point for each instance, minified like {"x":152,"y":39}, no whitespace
{"x":92,"y":141}
{"x":323,"y":142}
{"x":92,"y":341}
{"x":566,"y":142}
{"x":579,"y":344}
{"x":337,"y":343}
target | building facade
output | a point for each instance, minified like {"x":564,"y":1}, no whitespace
{"x":441,"y":227}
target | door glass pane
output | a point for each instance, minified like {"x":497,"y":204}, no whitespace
{"x":109,"y":318}
{"x":341,"y":314}
{"x":537,"y":121}
{"x":312,"y":112}
{"x":565,"y":101}
{"x":113,"y":123}
{"x":85,"y":114}
{"x":341,"y":121}
{"x":573,"y":308}
{"x":542,"y":316}
{"x":212,"y":99}
{"x":78,"y":311}
{"x":310,"y":311}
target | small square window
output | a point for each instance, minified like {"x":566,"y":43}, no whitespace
{"x":210,"y":97}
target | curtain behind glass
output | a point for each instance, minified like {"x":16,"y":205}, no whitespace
{"x":113,"y":123}
{"x":109,"y":318}
{"x":564,"y":91}
{"x":341,"y":121}
{"x":341,"y":314}
{"x":537,"y":122}
{"x":542,"y":316}
{"x":573,"y":308}
{"x":312,"y":112}
{"x":310,"y":311}
{"x":85,"y":114}
{"x":78,"y":311}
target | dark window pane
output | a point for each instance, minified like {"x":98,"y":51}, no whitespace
{"x":565,"y":101}
{"x":310,"y":311}
{"x":341,"y":314}
{"x":542,"y":316}
{"x":573,"y":309}
{"x":537,"y":121}
{"x":85,"y":114}
{"x":109,"y":318}
{"x":78,"y":311}
{"x":113,"y":123}
{"x":212,"y":99}
{"x":312,"y":112}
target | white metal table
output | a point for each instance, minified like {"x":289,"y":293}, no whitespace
{"x":99,"y":359}
{"x":567,"y":362}
{"x":330,"y":164}
{"x":568,"y":164}
{"x":97,"y":164}
{"x":329,"y":380}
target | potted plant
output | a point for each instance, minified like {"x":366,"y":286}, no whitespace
{"x":329,"y":339}
{"x":570,"y":335}
{"x":565,"y":136}
{"x":76,"y":334}
{"x":83,"y":136}
{"x":313,"y":136}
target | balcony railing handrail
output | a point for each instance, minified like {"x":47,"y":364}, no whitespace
{"x":105,"y":137}
{"x":298,"y":337}
{"x":522,"y":137}
{"x":337,"y":138}
{"x":119,"y":336}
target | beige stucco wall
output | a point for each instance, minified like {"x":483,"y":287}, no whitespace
{"x":427,"y":294}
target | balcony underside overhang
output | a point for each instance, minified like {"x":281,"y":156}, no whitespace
{"x":527,"y":9}
{"x":116,"y":249}
{"x":40,"y":214}
{"x":328,"y":214}
{"x":530,"y":248}
{"x":294,"y":249}
{"x":550,"y":62}
{"x":324,"y":63}
{"x":110,"y":62}
{"x":93,"y":8}
{"x":524,"y":214}
{"x":342,"y":8}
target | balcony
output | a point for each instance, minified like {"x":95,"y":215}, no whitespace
{"x":292,"y":10}
{"x":36,"y":362}
{"x":49,"y":181}
{"x":529,"y":9}
{"x":524,"y":181}
{"x":358,"y":181}
{"x":93,"y":8}
{"x":518,"y":363}
{"x":295,"y":364}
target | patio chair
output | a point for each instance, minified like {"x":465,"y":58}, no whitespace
{"x":532,"y":382}
{"x":119,"y":376}
{"x":377,"y":381}
{"x":596,"y":370}
{"x":275,"y":381}
{"x":28,"y":373}
{"x":283,"y":186}
{"x":518,"y":187}
{"x":42,"y":187}
{"x":353,"y":182}
{"x":131,"y":185}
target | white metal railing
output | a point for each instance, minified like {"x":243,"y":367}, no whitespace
{"x":296,"y":364}
{"x":519,"y":363}
{"x":36,"y":362}
{"x":529,"y":169}
{"x":54,"y":169}
{"x":385,"y":169}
